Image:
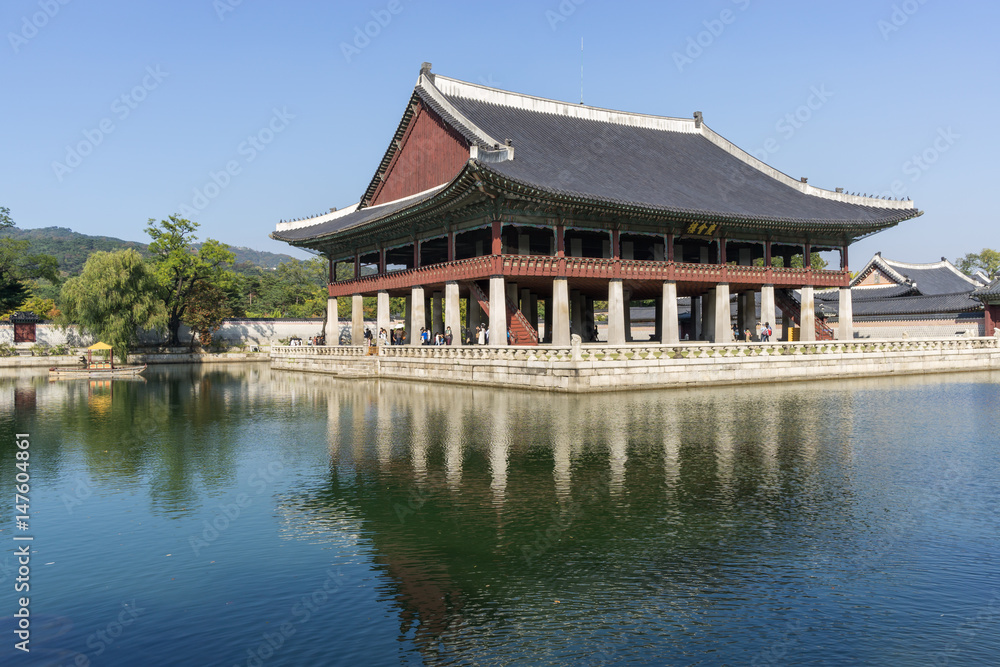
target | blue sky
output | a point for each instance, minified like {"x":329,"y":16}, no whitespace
{"x":115,"y":112}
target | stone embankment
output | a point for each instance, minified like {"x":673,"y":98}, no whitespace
{"x":178,"y":356}
{"x":590,"y":368}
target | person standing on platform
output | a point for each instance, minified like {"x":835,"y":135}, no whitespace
{"x":447,"y":336}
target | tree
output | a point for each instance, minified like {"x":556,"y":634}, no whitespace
{"x":18,"y":267}
{"x":181,"y":271}
{"x":816,"y":261}
{"x":987,"y":260}
{"x":114,"y":297}
{"x":206,"y":309}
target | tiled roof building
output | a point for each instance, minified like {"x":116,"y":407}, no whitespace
{"x":515,"y":202}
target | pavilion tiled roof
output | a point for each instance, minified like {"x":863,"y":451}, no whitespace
{"x":922,"y":305}
{"x":933,"y":278}
{"x":649,"y":165}
{"x":989,"y":293}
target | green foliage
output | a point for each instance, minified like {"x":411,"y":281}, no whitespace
{"x":114,"y":297}
{"x":71,"y":249}
{"x":987,"y":260}
{"x":7,"y":350}
{"x":5,"y":219}
{"x":44,"y":308}
{"x":206,"y":310}
{"x":817,"y":262}
{"x":183,"y":273}
{"x":294,"y":289}
{"x":18,"y":268}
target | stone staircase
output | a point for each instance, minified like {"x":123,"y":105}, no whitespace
{"x":521,"y":331}
{"x":786,"y":302}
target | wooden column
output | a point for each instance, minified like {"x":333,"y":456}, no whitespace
{"x":496,"y":249}
{"x":670,"y":248}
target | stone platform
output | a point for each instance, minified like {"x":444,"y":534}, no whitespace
{"x":591,"y":368}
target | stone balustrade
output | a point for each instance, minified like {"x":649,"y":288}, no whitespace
{"x":600,"y":352}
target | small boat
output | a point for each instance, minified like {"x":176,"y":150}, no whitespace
{"x":102,"y":368}
{"x":91,"y":372}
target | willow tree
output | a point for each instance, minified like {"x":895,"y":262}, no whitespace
{"x":114,"y":298}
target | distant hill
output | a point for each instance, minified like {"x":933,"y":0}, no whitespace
{"x":72,"y":248}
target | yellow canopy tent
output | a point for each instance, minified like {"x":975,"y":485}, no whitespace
{"x":100,"y":347}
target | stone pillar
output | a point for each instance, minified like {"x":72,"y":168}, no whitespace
{"x":407,"y":310}
{"x":696,"y":329}
{"x":708,"y":316}
{"x":807,"y":320}
{"x":767,"y":309}
{"x":749,"y":303}
{"x":533,"y":311}
{"x":547,"y":307}
{"x":381,"y":313}
{"x":588,"y":319}
{"x":437,"y":314}
{"x":474,"y":315}
{"x":332,"y":324}
{"x":498,"y":312}
{"x":845,"y":315}
{"x":576,"y":312}
{"x":526,"y":304}
{"x":723,"y":317}
{"x":558,"y":317}
{"x":786,"y":326}
{"x":627,"y":298}
{"x":417,"y":315}
{"x":357,"y":320}
{"x":452,"y":312}
{"x":616,"y":313}
{"x":512,"y":295}
{"x":669,"y":330}
{"x":741,"y":313}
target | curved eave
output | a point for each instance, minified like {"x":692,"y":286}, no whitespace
{"x":463,"y":185}
{"x":853,"y":229}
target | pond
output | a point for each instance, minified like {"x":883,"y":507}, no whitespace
{"x":235,"y":515}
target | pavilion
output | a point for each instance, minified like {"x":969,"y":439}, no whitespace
{"x":522,"y":205}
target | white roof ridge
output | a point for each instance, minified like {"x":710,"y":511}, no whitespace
{"x":333,"y":215}
{"x":455,"y":87}
{"x":942,"y":264}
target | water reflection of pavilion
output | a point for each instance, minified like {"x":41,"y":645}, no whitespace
{"x":471,"y":494}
